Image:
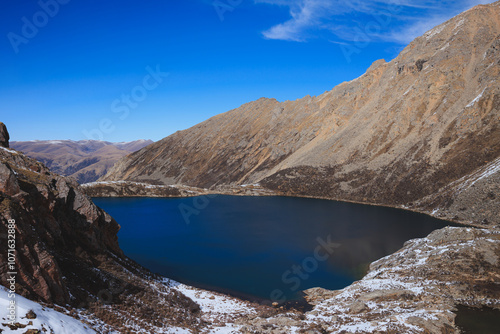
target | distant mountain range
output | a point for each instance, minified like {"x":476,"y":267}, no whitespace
{"x":85,"y":160}
{"x":405,"y":130}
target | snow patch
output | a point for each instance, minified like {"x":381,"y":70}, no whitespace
{"x":484,"y":172}
{"x":445,"y":47}
{"x":250,"y":185}
{"x":459,"y":24}
{"x":6,"y":149}
{"x":212,"y":304}
{"x":409,"y":89}
{"x":434,"y":31}
{"x":476,"y":99}
{"x":53,"y":321}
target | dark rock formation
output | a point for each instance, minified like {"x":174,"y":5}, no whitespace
{"x":55,"y":224}
{"x":4,"y":136}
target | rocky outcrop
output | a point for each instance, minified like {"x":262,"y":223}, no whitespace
{"x":420,"y":285}
{"x":85,"y":160}
{"x":401,"y":132}
{"x":67,"y":253}
{"x":55,"y":223}
{"x":4,"y":136}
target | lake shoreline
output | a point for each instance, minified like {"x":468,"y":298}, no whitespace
{"x":419,"y":295}
{"x":260,"y":251}
{"x":128,"y":189}
{"x":301,"y":305}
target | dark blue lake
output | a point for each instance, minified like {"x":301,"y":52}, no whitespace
{"x":261,"y":247}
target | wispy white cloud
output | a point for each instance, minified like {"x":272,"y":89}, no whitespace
{"x":304,"y":14}
{"x":349,"y":20}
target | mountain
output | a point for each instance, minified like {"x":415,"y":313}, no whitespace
{"x":65,"y":254}
{"x":420,"y":131}
{"x":62,"y":252}
{"x":401,"y":132}
{"x":85,"y":160}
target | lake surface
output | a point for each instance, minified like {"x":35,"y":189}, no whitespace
{"x":262,"y":248}
{"x":478,"y":320}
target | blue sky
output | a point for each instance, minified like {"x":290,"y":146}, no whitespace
{"x":130,"y":69}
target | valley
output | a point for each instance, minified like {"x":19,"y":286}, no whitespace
{"x":215,"y":229}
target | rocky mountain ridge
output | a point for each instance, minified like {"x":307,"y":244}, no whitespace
{"x":85,"y":160}
{"x":401,"y":132}
{"x":140,"y":189}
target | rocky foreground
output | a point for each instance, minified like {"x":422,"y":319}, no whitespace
{"x":415,"y":290}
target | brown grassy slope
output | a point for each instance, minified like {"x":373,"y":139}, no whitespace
{"x":85,"y":160}
{"x":398,"y":133}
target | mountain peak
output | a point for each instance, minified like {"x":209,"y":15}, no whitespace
{"x":396,"y":134}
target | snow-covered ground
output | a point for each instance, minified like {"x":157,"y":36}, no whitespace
{"x":215,"y":306}
{"x":6,"y":149}
{"x":218,"y":309}
{"x":51,"y":320}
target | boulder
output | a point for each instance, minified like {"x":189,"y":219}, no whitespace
{"x":4,"y":136}
{"x":8,"y":181}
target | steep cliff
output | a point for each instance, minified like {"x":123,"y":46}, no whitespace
{"x":401,"y":132}
{"x":55,"y":225}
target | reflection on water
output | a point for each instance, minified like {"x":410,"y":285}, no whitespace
{"x":478,"y":320}
{"x":262,"y":247}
